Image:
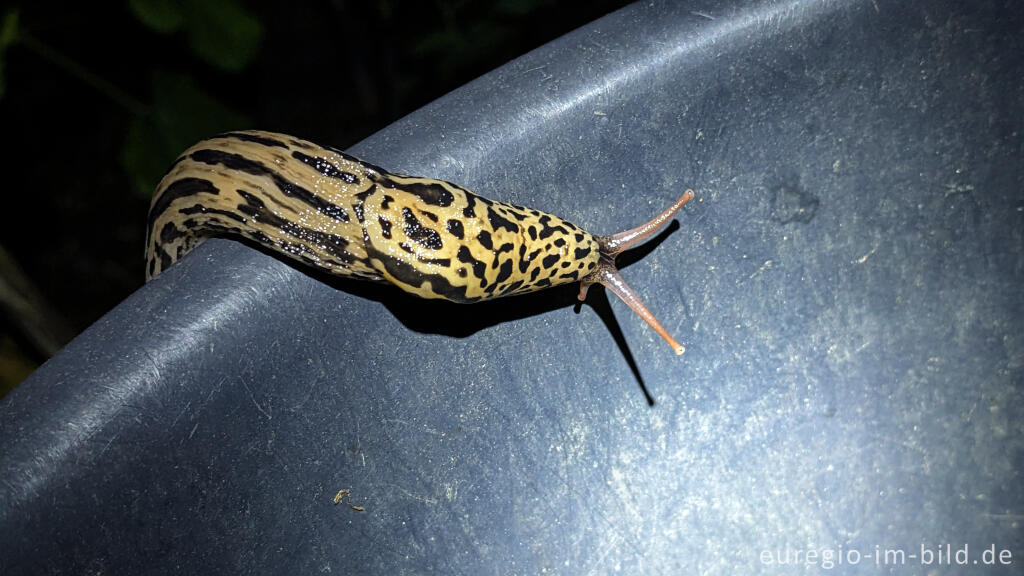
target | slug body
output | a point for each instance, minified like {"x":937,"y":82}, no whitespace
{"x":330,"y":210}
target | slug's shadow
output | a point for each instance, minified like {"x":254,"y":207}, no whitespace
{"x":462,"y":320}
{"x":451,"y":319}
{"x":597,"y":297}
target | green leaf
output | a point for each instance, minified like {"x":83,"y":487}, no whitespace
{"x":163,"y":16}
{"x":224,"y":33}
{"x":8,"y":37}
{"x":183,"y":114}
{"x":9,"y":28}
{"x":143,"y":156}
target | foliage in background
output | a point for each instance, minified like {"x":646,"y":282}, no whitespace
{"x":463,"y":41}
{"x":223,"y":34}
{"x":97,"y":99}
{"x":181,"y":115}
{"x":8,"y":36}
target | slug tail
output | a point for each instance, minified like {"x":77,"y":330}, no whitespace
{"x":607,"y":274}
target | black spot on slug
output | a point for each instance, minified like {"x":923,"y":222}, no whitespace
{"x":455,"y":229}
{"x":200,"y":209}
{"x":466,"y":257}
{"x":361,"y":197}
{"x":419,"y":233}
{"x":176,"y":190}
{"x":549,"y":261}
{"x":581,"y":253}
{"x":386,"y":201}
{"x":443,"y":262}
{"x":547,"y":230}
{"x":484,"y":237}
{"x":325,"y":167}
{"x":433,"y":193}
{"x":524,"y":264}
{"x":165,"y":260}
{"x":512,"y":287}
{"x":230,"y":160}
{"x":518,"y":213}
{"x":504,"y":273}
{"x":498,"y":222}
{"x":256,"y":138}
{"x":385,"y":227}
{"x":169,"y":233}
{"x":507,"y":247}
{"x":468,"y":211}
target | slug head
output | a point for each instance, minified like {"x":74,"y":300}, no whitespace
{"x":607,"y":274}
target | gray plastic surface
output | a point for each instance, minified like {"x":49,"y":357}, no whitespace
{"x":847,"y":284}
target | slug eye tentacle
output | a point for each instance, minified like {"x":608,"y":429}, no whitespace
{"x":607,"y":274}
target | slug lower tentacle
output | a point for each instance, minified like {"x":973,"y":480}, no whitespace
{"x":607,"y":274}
{"x":327,"y":209}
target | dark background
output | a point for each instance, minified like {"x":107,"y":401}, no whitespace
{"x":97,"y":99}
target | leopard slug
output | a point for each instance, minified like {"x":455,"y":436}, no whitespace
{"x":339,"y":214}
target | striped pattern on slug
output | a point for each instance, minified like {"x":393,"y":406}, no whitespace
{"x":327,"y":209}
{"x":350,"y":218}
